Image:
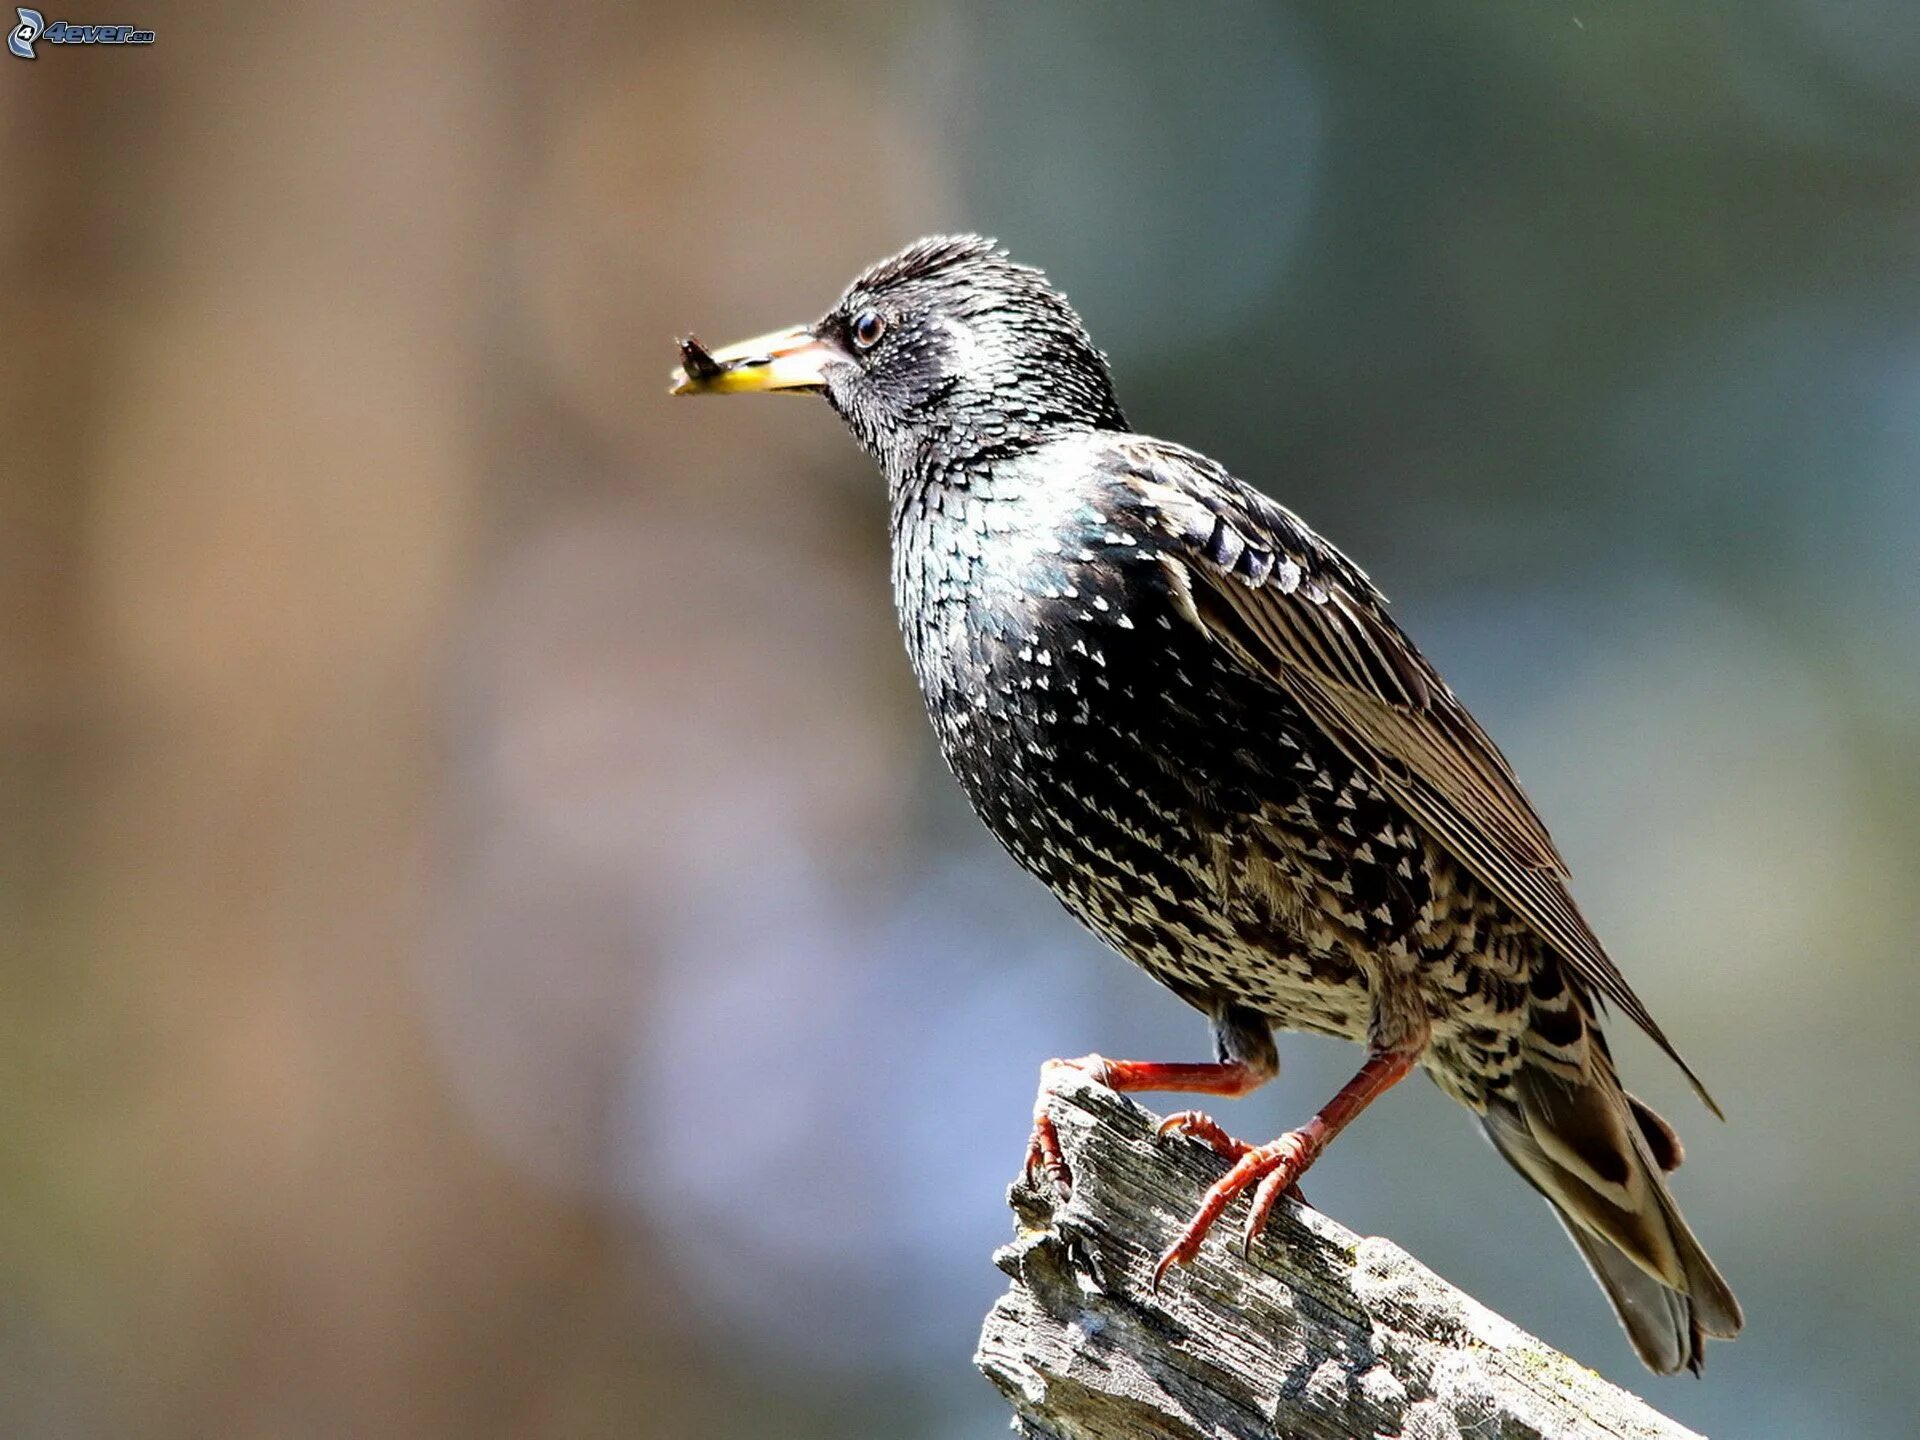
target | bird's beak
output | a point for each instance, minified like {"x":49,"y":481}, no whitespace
{"x":789,"y":360}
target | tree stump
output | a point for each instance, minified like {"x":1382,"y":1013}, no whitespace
{"x":1317,"y":1333}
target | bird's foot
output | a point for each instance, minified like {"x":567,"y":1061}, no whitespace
{"x":1206,"y":1129}
{"x":1269,"y":1170}
{"x":1044,"y":1156}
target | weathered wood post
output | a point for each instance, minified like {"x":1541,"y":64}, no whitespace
{"x":1319,"y":1333}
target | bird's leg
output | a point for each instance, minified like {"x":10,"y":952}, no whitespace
{"x":1223,"y":1077}
{"x":1277,"y":1168}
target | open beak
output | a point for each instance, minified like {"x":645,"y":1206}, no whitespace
{"x":790,"y":360}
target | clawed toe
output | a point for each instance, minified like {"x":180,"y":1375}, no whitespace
{"x":1279,"y":1183}
{"x":1270,"y":1171}
{"x":1044,"y":1155}
{"x":1207,"y":1130}
{"x":1044,"y":1158}
{"x":1181,"y":1252}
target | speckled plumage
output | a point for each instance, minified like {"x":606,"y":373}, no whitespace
{"x":1194,"y":721}
{"x":1181,"y":806}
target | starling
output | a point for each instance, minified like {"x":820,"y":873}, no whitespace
{"x":1194,"y":721}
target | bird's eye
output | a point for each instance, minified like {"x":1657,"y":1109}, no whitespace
{"x":868,"y":327}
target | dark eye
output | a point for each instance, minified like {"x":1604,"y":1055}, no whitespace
{"x":868,"y":327}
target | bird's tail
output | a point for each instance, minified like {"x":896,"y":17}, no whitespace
{"x":1600,"y":1156}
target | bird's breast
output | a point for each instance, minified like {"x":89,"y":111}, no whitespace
{"x":1121,"y":757}
{"x":1020,"y":614}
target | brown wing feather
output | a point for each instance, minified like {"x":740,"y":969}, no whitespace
{"x":1297,"y":611}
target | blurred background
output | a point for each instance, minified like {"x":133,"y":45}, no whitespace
{"x":489,"y":947}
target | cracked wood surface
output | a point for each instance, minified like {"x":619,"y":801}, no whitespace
{"x":1319,"y":1333}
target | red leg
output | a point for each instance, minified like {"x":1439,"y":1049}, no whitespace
{"x":1228,"y":1077}
{"x":1276,"y":1168}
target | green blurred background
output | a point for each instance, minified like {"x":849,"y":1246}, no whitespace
{"x":489,"y":947}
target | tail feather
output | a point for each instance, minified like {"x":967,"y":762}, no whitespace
{"x":1658,"y":1320}
{"x":1665,"y":1146}
{"x":1598,"y":1156}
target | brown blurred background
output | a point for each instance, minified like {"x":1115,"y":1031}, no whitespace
{"x":488,"y":948}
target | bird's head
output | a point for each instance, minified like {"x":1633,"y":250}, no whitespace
{"x":947,"y":350}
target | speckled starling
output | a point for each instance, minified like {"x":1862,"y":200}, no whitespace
{"x":1194,"y":720}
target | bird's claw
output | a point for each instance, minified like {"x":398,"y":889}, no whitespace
{"x":1204,"y":1128}
{"x":1269,"y":1170}
{"x":1044,"y":1154}
{"x":1279,"y":1183}
{"x":1181,"y":1252}
{"x":1044,"y":1158}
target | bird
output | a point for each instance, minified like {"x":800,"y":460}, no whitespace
{"x":1193,"y":719}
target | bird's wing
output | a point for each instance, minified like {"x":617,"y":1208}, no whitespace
{"x":1295,"y":610}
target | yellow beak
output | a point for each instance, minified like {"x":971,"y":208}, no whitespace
{"x":789,"y":360}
